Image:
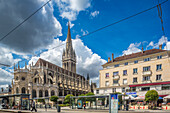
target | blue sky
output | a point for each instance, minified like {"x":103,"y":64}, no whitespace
{"x":115,"y":39}
{"x":48,"y":28}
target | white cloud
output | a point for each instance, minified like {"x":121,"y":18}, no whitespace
{"x":163,"y":40}
{"x":133,"y":48}
{"x":84,"y":32}
{"x":6,"y":56}
{"x":71,"y":24}
{"x":167,"y":47}
{"x":94,"y":14}
{"x":36,"y":33}
{"x":87,"y":61}
{"x":6,"y":78}
{"x":69,"y":9}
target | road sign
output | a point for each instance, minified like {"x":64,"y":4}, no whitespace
{"x":113,"y":103}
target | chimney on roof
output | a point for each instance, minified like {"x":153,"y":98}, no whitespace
{"x":108,"y":59}
{"x":160,"y":46}
{"x":142,"y":49}
{"x":112,"y":56}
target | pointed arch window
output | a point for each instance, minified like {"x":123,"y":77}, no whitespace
{"x":23,"y":90}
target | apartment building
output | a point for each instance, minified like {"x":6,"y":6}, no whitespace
{"x":136,"y":72}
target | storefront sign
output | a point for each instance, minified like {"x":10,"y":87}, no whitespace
{"x":113,"y":106}
{"x":130,"y":93}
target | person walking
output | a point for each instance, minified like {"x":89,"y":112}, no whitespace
{"x":33,"y":106}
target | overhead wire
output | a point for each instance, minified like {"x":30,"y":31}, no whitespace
{"x":5,"y":36}
{"x":163,"y":30}
{"x":105,"y":26}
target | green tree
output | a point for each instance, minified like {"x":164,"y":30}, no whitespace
{"x":91,"y":99}
{"x":41,"y":100}
{"x":81,"y":98}
{"x":152,"y":96}
{"x":67,"y":99}
{"x":54,"y":99}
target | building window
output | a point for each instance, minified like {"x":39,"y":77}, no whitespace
{"x":23,"y":90}
{"x":107,"y":75}
{"x":135,"y":80}
{"x":133,"y":89}
{"x":115,"y":73}
{"x":97,"y":91}
{"x":115,"y":81}
{"x":159,"y":57}
{"x":40,"y":93}
{"x":146,"y":59}
{"x":159,"y":77}
{"x":124,"y":81}
{"x":123,"y":89}
{"x":136,"y":61}
{"x":146,"y":78}
{"x":124,"y":72}
{"x":146,"y":68}
{"x":165,"y":86}
{"x":52,"y":93}
{"x":135,"y":70}
{"x":46,"y":93}
{"x":107,"y":83}
{"x":23,"y":78}
{"x":105,"y":91}
{"x":126,"y":63}
{"x":34,"y":94}
{"x":117,"y":65}
{"x":159,"y":67}
{"x":145,"y":88}
{"x":16,"y":78}
{"x":113,"y":90}
{"x":17,"y":90}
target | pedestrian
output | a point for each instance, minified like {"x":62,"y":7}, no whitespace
{"x":33,"y":106}
{"x":84,"y":105}
{"x":45,"y":107}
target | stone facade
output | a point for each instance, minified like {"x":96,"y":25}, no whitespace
{"x":45,"y":79}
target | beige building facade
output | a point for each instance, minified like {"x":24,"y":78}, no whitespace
{"x":45,"y":79}
{"x":136,"y":72}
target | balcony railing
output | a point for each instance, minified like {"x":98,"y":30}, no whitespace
{"x":147,"y":73}
{"x":147,"y":81}
{"x":115,"y":84}
{"x":115,"y":77}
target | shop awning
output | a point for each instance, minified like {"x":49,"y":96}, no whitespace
{"x":160,"y":98}
{"x":149,"y":84}
{"x":167,"y":96}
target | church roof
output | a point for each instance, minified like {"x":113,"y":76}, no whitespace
{"x":44,"y":63}
{"x":135,"y":55}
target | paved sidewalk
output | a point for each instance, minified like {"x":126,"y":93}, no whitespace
{"x":83,"y":111}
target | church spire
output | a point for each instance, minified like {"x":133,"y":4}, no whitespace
{"x":68,"y":34}
{"x":69,"y":56}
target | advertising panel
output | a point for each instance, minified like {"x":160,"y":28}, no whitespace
{"x":113,"y":103}
{"x":79,"y":104}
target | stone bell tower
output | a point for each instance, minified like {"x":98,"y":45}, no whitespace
{"x":69,"y":56}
